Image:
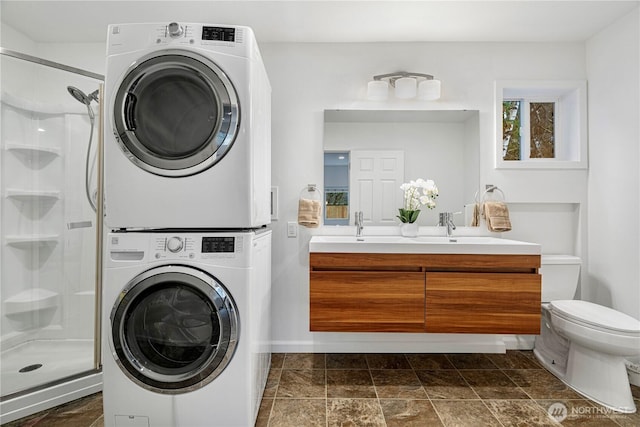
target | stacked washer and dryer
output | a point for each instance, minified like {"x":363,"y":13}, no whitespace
{"x":187,"y":279}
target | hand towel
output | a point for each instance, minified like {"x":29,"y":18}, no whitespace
{"x":475,"y":221}
{"x":497,"y":216}
{"x":309,"y":213}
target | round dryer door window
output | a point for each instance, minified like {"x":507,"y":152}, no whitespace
{"x":176,"y":113}
{"x":173,"y":329}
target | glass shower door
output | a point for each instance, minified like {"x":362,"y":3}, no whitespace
{"x":48,"y":228}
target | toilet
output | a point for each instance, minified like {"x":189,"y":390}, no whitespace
{"x":582,"y":343}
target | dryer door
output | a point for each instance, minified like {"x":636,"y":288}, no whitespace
{"x":173,"y":329}
{"x":175,"y":113}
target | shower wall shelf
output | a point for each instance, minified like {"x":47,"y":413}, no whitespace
{"x":33,"y":149}
{"x":33,"y":153}
{"x":33,"y":195}
{"x":30,"y":300}
{"x":27,"y":241}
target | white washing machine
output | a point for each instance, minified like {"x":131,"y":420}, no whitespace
{"x":186,"y":328}
{"x":187,"y":132}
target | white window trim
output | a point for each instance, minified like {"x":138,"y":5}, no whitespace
{"x":570,"y":121}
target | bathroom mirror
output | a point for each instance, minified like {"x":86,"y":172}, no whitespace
{"x":442,"y":145}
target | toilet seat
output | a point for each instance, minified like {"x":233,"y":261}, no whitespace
{"x":597,"y":317}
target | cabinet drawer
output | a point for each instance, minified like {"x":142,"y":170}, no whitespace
{"x":495,"y":303}
{"x":367,"y":301}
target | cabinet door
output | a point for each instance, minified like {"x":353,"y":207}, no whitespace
{"x":366,"y":301}
{"x":493,"y":303}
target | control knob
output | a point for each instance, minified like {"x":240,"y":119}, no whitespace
{"x":175,"y":244}
{"x":175,"y":30}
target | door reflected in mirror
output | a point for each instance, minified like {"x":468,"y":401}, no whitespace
{"x":442,"y":145}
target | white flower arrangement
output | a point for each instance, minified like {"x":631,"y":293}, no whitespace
{"x":416,"y":194}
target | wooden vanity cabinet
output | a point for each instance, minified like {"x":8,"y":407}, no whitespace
{"x":367,"y":301}
{"x":497,"y":303}
{"x":440,"y":293}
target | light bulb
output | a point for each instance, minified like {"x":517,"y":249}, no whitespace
{"x":377,"y":90}
{"x":406,"y":87}
{"x":429,"y":90}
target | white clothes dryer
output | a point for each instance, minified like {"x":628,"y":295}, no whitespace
{"x":186,"y":328}
{"x":187,"y":127}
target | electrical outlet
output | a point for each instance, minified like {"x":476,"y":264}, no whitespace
{"x":292,"y":229}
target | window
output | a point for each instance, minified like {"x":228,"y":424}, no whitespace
{"x":511,"y":133}
{"x":528,"y":129}
{"x":336,"y":184}
{"x":541,"y":124}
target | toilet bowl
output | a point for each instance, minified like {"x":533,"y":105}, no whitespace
{"x":582,"y":343}
{"x":600,"y":339}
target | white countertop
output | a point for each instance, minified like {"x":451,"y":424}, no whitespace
{"x":423,"y":245}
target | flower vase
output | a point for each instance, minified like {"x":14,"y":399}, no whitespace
{"x":409,"y":229}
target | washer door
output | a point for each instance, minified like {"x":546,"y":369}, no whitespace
{"x":173,"y":329}
{"x":176,"y":113}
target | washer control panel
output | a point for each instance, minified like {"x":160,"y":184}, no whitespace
{"x":218,"y":244}
{"x":196,"y":247}
{"x":174,"y":247}
{"x":178,"y":245}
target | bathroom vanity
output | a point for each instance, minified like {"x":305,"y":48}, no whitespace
{"x":479,"y":285}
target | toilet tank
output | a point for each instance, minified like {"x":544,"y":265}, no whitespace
{"x":560,"y":275}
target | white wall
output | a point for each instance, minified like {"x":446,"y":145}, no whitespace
{"x":614,"y":182}
{"x":309,"y":78}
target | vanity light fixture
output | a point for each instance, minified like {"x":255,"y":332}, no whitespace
{"x":406,"y":85}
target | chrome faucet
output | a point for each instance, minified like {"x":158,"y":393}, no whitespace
{"x":446,"y":220}
{"x":359,"y":223}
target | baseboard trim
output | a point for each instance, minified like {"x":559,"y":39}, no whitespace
{"x":379,"y":343}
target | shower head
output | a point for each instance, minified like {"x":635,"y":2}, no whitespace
{"x":82,"y":97}
{"x":85,"y":99}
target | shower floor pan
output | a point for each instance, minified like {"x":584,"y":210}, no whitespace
{"x":39,"y":362}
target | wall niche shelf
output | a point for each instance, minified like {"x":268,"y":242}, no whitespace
{"x":27,"y":241}
{"x":33,"y":195}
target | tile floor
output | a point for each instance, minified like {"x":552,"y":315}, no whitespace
{"x":399,"y":390}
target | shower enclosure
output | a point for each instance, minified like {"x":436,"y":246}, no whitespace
{"x":50,"y":232}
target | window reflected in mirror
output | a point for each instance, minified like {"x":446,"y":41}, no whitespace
{"x":336,"y":188}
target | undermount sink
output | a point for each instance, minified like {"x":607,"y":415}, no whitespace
{"x":422,"y":245}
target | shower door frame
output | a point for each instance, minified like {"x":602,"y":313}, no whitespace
{"x":97,"y":343}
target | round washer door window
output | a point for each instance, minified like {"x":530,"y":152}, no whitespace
{"x":176,"y":113}
{"x":173,"y":329}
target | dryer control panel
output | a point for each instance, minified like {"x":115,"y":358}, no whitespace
{"x":225,"y":34}
{"x":132,"y":38}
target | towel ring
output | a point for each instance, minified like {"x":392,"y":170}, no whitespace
{"x":489,"y":189}
{"x":311,"y":192}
